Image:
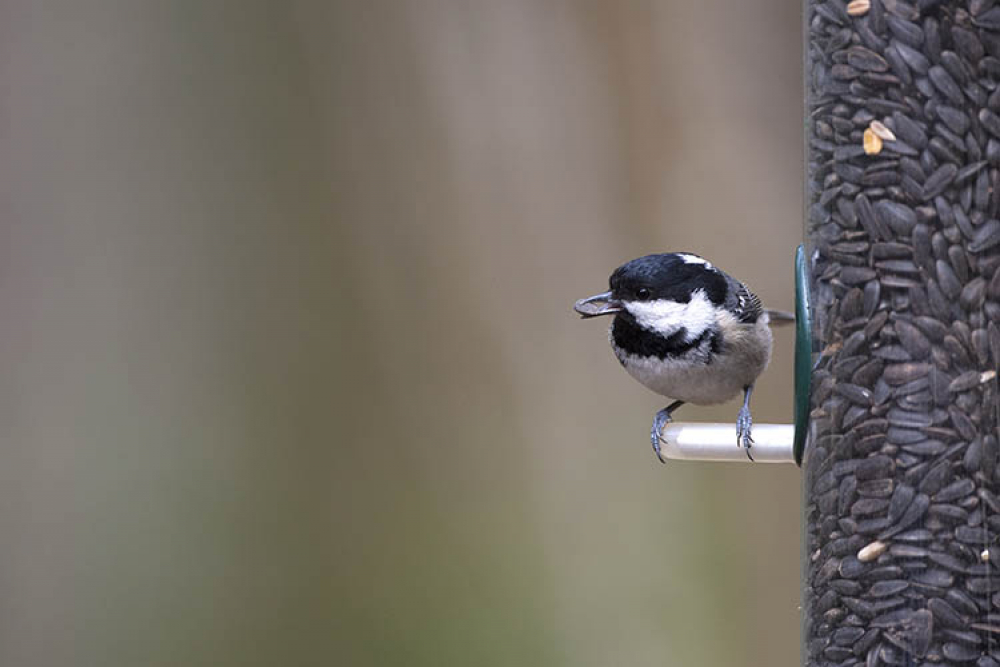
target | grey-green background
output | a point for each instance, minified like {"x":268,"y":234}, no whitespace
{"x":288,"y":370}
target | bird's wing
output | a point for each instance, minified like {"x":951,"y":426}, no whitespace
{"x":748,"y":305}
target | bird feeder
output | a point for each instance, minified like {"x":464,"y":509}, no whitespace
{"x":902,"y":257}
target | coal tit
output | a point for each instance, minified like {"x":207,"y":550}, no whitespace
{"x":686,"y":330}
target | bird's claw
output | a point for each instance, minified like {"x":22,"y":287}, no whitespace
{"x":743,"y":424}
{"x":661,"y":419}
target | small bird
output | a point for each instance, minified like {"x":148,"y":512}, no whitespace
{"x":688,"y":331}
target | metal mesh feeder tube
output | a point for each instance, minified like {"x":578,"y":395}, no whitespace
{"x":901,"y":478}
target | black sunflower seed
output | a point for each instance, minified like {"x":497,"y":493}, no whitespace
{"x":986,"y":237}
{"x":915,"y":342}
{"x":944,"y":82}
{"x":882,"y":589}
{"x":913,"y":58}
{"x":951,"y":62}
{"x":990,"y":121}
{"x":959,"y":652}
{"x":956,"y":120}
{"x":865,"y":59}
{"x":959,"y":263}
{"x":905,"y":31}
{"x":955,"y":490}
{"x":949,"y":282}
{"x":910,"y":131}
{"x":938,"y":181}
{"x":990,"y":19}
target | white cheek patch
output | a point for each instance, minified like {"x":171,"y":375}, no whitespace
{"x":666,"y":317}
{"x":695,"y":259}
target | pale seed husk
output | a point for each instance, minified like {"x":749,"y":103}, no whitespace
{"x":881,"y":131}
{"x":872,"y":143}
{"x":858,"y":7}
{"x":872,"y":551}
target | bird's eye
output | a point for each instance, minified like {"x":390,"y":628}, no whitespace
{"x":642,"y":294}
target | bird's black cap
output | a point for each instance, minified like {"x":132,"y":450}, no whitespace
{"x":673,"y":276}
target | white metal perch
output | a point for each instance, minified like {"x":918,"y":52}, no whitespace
{"x":689,"y":441}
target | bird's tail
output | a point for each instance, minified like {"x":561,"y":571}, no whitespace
{"x":779,"y":317}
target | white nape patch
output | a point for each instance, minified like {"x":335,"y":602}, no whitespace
{"x":695,"y":259}
{"x":666,"y":317}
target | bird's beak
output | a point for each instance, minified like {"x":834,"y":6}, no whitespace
{"x":599,"y":304}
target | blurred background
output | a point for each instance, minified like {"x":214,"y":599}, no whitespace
{"x":290,"y":372}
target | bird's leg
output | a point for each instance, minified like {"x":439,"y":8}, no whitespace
{"x":744,"y":421}
{"x":661,"y":419}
